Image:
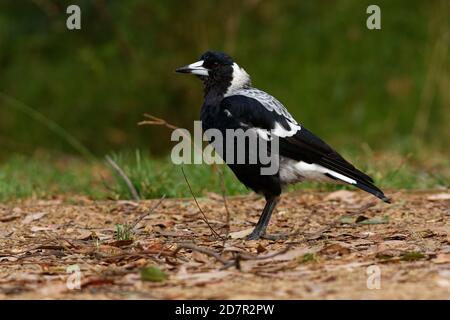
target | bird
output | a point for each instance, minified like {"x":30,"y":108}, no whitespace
{"x":231,"y":102}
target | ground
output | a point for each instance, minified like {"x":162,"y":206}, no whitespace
{"x":340,"y":245}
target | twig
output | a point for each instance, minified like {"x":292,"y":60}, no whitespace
{"x":227,"y":263}
{"x":49,"y":235}
{"x":125,"y":178}
{"x":155,"y":121}
{"x":223,"y":189}
{"x":198,"y":206}
{"x":269,"y":256}
{"x":208,"y":252}
{"x":149,"y":212}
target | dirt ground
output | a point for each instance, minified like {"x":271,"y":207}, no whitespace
{"x":340,"y":245}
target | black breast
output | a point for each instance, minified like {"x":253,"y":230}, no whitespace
{"x":215,"y":117}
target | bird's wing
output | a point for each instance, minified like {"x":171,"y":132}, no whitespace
{"x":266,"y":100}
{"x":295,"y":141}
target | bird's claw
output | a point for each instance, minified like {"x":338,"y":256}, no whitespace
{"x":254,"y":236}
{"x":257,"y":236}
{"x":280,"y":236}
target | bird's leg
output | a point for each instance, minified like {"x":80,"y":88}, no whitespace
{"x":264,"y":219}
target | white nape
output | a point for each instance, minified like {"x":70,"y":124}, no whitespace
{"x":240,"y":79}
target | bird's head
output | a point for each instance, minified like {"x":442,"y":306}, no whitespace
{"x":218,"y":69}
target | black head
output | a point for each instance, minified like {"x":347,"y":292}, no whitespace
{"x":212,"y":64}
{"x":218,"y":72}
{"x":214,"y":59}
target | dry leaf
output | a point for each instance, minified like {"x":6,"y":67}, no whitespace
{"x":37,"y":229}
{"x":335,"y":249}
{"x":442,"y":258}
{"x":341,"y":195}
{"x":439,"y":197}
{"x":32,"y":217}
{"x":120,"y":243}
{"x":203,"y":277}
{"x":241,"y":234}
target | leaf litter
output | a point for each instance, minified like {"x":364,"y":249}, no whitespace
{"x":172,"y":253}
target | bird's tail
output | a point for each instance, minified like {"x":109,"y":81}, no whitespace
{"x":370,"y":188}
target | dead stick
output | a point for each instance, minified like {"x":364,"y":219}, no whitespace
{"x":222,"y":179}
{"x":155,"y":121}
{"x":149,"y":212}
{"x":198,"y":206}
{"x":201,"y":250}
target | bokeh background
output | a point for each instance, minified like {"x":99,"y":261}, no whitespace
{"x":385,"y":89}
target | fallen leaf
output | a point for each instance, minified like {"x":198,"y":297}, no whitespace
{"x":375,"y":220}
{"x":412,"y":256}
{"x":439,"y":197}
{"x":363,"y":220}
{"x":347,"y":219}
{"x":37,"y":229}
{"x":202,"y":277}
{"x":335,"y":249}
{"x":241,"y":234}
{"x":396,"y":236}
{"x":120,"y":243}
{"x":442,"y":258}
{"x":153,"y":274}
{"x":9,"y":218}
{"x":360,"y":219}
{"x":341,"y":195}
{"x":32,"y":217}
{"x":199,"y":257}
{"x":110,"y":250}
{"x":260,"y":248}
{"x":292,"y":254}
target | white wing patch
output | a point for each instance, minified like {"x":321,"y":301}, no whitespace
{"x":281,"y":132}
{"x":292,"y":171}
{"x":264,"y":134}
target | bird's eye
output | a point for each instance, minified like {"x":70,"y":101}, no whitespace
{"x":215,"y":64}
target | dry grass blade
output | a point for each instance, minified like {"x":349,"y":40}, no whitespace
{"x":125,"y":178}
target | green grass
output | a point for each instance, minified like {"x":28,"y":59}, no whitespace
{"x":123,"y":232}
{"x":49,"y":177}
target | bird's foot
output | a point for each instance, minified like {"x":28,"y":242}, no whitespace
{"x":254,"y":235}
{"x":257,"y":236}
{"x":277,"y":236}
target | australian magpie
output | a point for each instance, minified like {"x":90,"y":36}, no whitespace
{"x":231,"y":102}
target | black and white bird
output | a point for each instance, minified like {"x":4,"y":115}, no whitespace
{"x":231,"y":102}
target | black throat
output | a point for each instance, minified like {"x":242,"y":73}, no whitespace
{"x":216,"y":85}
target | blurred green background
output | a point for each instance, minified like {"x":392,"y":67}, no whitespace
{"x":385,"y":89}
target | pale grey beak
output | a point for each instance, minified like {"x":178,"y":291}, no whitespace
{"x":194,"y":68}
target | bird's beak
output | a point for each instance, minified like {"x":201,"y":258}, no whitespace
{"x":194,"y":68}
